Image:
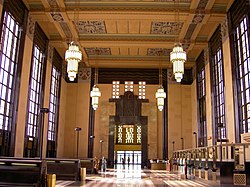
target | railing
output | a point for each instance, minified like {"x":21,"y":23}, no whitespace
{"x":237,"y":153}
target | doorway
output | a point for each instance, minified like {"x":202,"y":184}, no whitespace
{"x":134,"y":157}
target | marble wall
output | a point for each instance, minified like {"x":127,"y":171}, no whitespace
{"x":179,"y":116}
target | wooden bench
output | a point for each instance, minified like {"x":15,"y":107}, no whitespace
{"x":87,"y":163}
{"x":22,"y":172}
{"x":65,"y":169}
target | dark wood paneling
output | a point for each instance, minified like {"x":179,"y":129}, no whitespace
{"x":57,"y":60}
{"x":238,"y":9}
{"x":40,"y":39}
{"x":17,"y":9}
{"x":200,"y":63}
{"x":151,"y":76}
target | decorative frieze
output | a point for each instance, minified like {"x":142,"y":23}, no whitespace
{"x":91,"y":27}
{"x":158,"y":52}
{"x":206,"y":56}
{"x":57,"y":16}
{"x":84,"y":74}
{"x":50,"y":53}
{"x":166,"y":28}
{"x":97,"y":51}
{"x":30,"y":27}
{"x":198,"y":18}
{"x":224,"y":30}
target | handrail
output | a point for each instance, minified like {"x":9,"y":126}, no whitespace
{"x":238,"y":153}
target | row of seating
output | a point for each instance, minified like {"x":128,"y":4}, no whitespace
{"x":33,"y":172}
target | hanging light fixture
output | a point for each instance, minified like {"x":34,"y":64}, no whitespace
{"x":95,"y":93}
{"x":160,"y":94}
{"x":178,"y":56}
{"x":73,"y":56}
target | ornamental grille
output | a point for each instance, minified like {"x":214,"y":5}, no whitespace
{"x":240,"y":179}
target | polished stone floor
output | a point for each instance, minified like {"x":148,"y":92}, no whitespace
{"x":134,"y":176}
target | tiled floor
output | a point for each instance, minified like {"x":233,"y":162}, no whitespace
{"x":134,"y":176}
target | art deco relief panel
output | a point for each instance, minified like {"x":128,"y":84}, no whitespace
{"x":128,"y":122}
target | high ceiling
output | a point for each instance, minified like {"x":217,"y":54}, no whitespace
{"x":132,"y":33}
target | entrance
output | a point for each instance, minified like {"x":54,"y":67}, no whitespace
{"x":134,"y":157}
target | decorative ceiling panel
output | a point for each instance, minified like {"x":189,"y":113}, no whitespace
{"x":198,"y":18}
{"x":97,"y":51}
{"x":129,"y":33}
{"x":158,"y":52}
{"x":57,"y":16}
{"x":91,"y":27}
{"x":166,"y":28}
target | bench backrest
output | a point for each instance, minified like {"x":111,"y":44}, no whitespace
{"x":14,"y":170}
{"x":65,"y":169}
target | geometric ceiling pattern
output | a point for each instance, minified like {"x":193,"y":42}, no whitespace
{"x":129,"y":33}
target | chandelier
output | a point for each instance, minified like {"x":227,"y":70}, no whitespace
{"x":95,"y":93}
{"x":73,"y":56}
{"x":178,"y":57}
{"x":160,"y":94}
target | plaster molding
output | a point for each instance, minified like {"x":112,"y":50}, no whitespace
{"x":224,"y":30}
{"x":57,"y":16}
{"x":166,"y":28}
{"x":50,"y":53}
{"x":91,"y":27}
{"x":156,"y":51}
{"x":206,"y":56}
{"x":97,"y":51}
{"x":31,"y":28}
{"x":84,"y":74}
